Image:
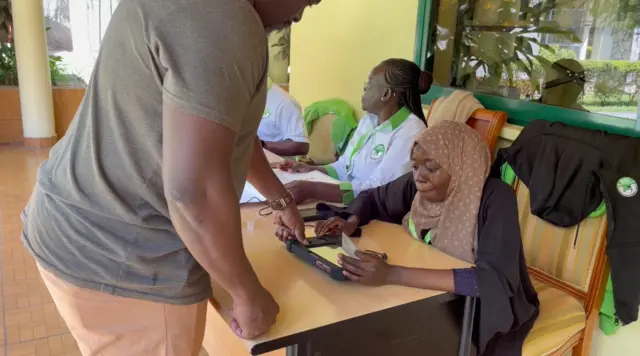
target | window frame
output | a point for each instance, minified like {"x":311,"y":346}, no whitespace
{"x":520,"y":112}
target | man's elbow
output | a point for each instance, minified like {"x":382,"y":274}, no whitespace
{"x":183,"y":191}
{"x":180,"y":196}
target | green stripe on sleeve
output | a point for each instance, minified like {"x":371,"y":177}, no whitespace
{"x":347,"y":192}
{"x":331,"y":172}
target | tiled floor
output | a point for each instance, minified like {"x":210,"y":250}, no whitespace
{"x":30,"y":324}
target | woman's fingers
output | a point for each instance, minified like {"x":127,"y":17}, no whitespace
{"x":324,"y":227}
{"x":333,"y":224}
{"x":352,"y":265}
{"x":320,"y":228}
{"x":352,"y":276}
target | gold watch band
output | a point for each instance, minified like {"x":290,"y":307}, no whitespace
{"x":282,"y":203}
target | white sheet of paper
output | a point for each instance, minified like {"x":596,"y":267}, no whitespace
{"x":251,"y":195}
{"x":315,"y":176}
{"x":349,"y":246}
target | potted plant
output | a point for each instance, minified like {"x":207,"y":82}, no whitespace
{"x":280,"y":45}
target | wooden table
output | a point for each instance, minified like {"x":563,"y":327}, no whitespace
{"x":311,"y":302}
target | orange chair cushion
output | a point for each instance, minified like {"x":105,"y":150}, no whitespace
{"x":561,"y":318}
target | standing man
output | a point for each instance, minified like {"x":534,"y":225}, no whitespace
{"x":137,"y":207}
{"x":281,"y":129}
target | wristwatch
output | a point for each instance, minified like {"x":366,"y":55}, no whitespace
{"x":282,"y":203}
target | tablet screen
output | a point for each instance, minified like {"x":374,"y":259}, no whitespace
{"x":329,"y":253}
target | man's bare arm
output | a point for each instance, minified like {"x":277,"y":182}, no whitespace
{"x":261,"y":175}
{"x":202,"y":200}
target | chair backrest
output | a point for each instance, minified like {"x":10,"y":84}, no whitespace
{"x":572,"y":259}
{"x":321,"y":147}
{"x":488,"y":123}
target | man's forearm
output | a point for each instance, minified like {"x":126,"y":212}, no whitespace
{"x":261,"y":175}
{"x":287,"y":147}
{"x":209,"y":224}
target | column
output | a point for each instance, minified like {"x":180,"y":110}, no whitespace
{"x":34,"y":77}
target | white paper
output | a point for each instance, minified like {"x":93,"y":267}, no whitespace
{"x":251,"y":195}
{"x":349,"y":246}
{"x":314,"y":176}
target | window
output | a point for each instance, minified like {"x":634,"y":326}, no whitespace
{"x":74,"y":33}
{"x":279,"y":50}
{"x":582,"y":55}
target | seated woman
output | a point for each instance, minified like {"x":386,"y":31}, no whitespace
{"x":378,"y":152}
{"x":449,"y":202}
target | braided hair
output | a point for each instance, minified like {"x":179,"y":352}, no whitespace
{"x":409,"y":82}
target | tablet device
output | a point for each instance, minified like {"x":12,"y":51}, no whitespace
{"x":321,"y":253}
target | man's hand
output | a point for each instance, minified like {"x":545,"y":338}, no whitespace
{"x":254,"y":316}
{"x":295,"y":167}
{"x":289,"y":225}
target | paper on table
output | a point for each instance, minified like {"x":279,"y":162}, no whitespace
{"x":329,"y":253}
{"x":349,"y":246}
{"x":251,"y":194}
{"x":315,"y":176}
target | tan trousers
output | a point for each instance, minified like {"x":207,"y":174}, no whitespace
{"x":108,"y":325}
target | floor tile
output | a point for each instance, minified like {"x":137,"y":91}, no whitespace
{"x":31,"y":323}
{"x":59,"y":345}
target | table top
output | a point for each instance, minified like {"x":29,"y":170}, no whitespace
{"x":309,"y":299}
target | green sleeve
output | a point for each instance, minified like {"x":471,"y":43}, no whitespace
{"x":332,"y":172}
{"x":347,"y":192}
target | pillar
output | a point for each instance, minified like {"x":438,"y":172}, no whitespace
{"x":34,"y":77}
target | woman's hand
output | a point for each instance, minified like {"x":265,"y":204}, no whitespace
{"x":301,"y":190}
{"x":294,"y":167}
{"x":337,"y":225}
{"x":369,"y":269}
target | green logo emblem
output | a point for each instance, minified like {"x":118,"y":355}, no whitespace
{"x":627,"y":187}
{"x":266,"y":113}
{"x":377,"y":151}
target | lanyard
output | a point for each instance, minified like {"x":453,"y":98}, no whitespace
{"x":412,"y":230}
{"x":361,"y":142}
{"x":394,"y":122}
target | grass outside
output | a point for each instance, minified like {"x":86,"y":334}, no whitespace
{"x":593,"y":108}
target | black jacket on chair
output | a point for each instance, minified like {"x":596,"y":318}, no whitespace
{"x":569,"y":171}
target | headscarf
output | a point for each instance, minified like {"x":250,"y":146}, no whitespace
{"x":452,"y":224}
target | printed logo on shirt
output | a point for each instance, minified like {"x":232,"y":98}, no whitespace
{"x":627,"y":187}
{"x":266,"y":113}
{"x":377,"y":151}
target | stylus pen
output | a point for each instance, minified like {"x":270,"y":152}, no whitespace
{"x":379,"y":254}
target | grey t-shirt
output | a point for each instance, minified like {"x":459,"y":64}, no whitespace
{"x":98,"y":217}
